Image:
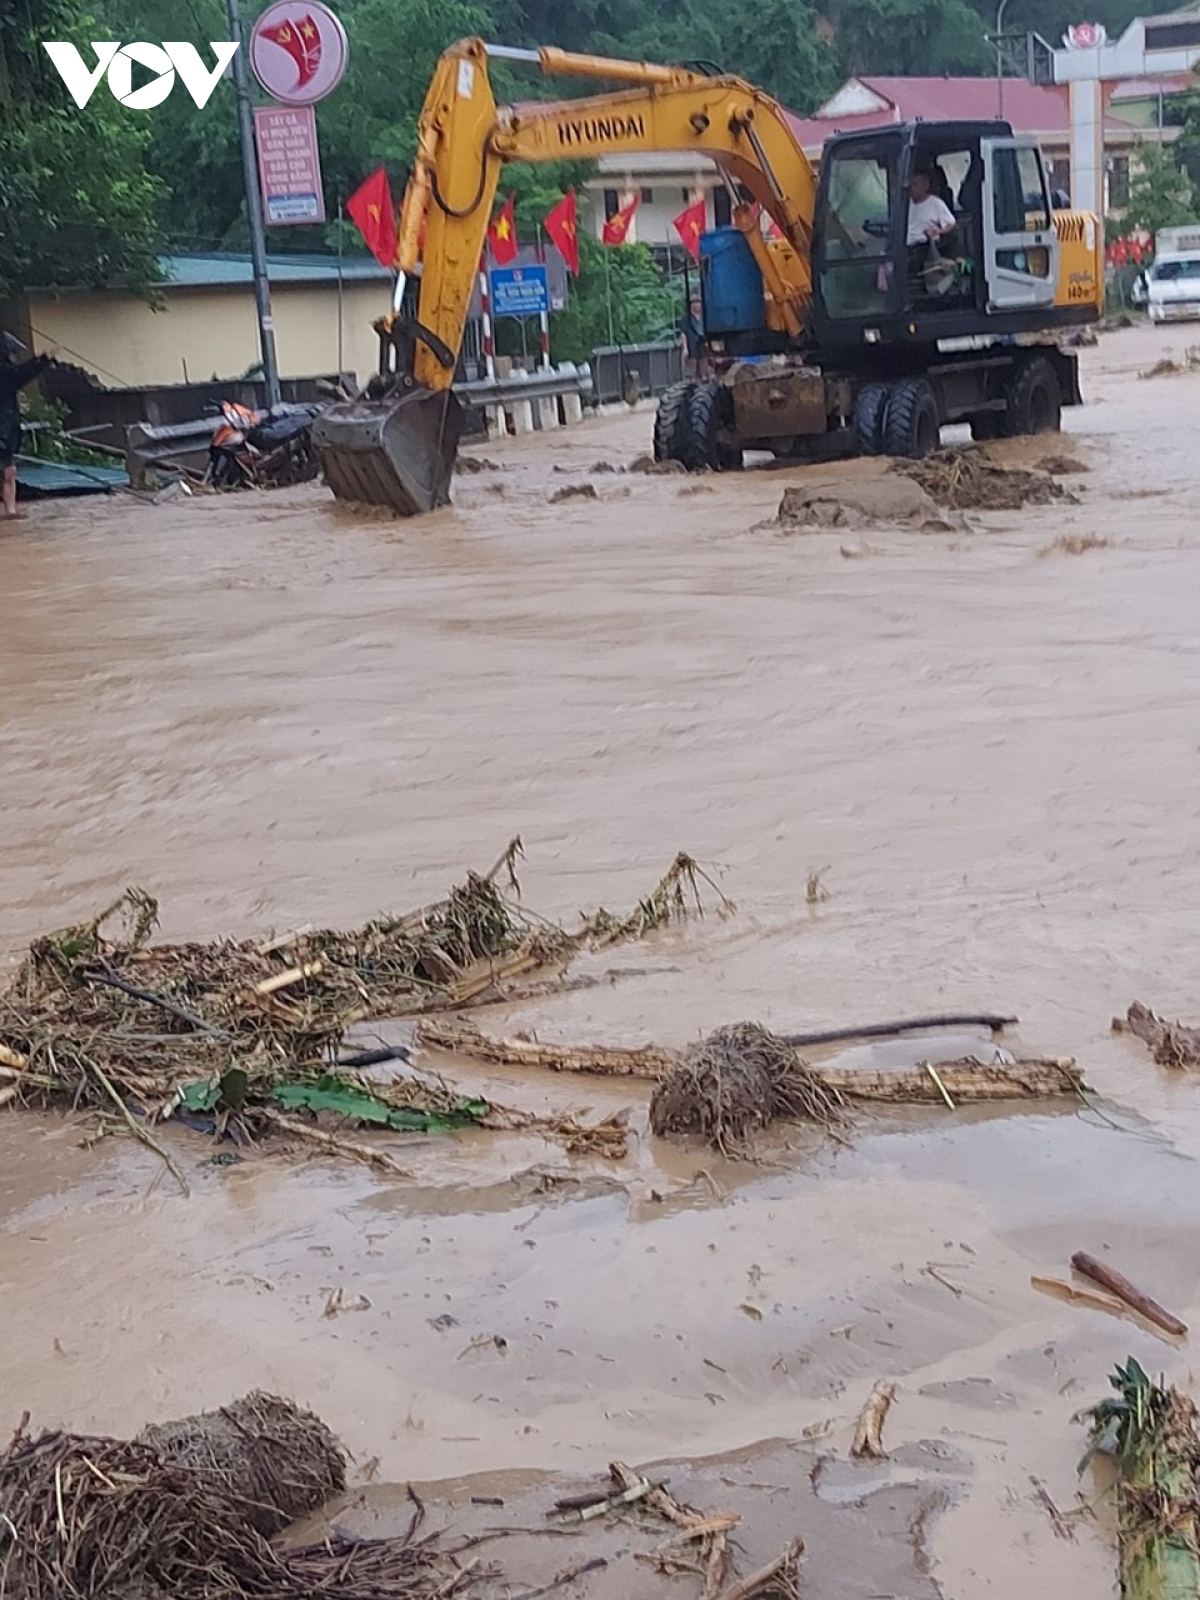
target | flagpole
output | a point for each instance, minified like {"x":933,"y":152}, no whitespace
{"x":544,"y":316}
{"x":612,"y":338}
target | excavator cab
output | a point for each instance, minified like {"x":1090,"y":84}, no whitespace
{"x":992,"y":266}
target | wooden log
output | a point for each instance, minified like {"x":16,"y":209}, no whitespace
{"x":1116,"y":1283}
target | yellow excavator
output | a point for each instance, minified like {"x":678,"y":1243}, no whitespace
{"x":829,"y":322}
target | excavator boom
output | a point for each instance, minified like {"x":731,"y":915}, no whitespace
{"x":397,"y":446}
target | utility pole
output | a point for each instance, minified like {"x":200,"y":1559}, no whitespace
{"x":1001,"y":9}
{"x":258,"y":242}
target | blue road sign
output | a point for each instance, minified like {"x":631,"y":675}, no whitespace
{"x":519,"y":291}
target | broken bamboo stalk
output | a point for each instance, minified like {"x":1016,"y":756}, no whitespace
{"x":1069,"y":1292}
{"x":754,"y":1583}
{"x":1116,"y":1283}
{"x":285,"y":980}
{"x":603,"y":1060}
{"x":332,"y":1143}
{"x":868,"y":1431}
{"x":966,"y":1080}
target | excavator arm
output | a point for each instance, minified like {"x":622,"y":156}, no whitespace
{"x":464,"y":140}
{"x":396,"y":447}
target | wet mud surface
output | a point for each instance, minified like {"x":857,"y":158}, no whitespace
{"x":269,"y":712}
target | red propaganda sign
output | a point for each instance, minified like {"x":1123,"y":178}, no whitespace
{"x":1086,"y":36}
{"x":289,"y":164}
{"x":298,"y":51}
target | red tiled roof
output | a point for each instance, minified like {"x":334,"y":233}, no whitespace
{"x":1030,"y":107}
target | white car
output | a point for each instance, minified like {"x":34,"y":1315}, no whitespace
{"x":1171,"y":288}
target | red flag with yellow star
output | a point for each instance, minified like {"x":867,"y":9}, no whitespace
{"x":616,"y":228}
{"x":562,"y":224}
{"x":502,"y":235}
{"x":371,"y":207}
{"x":689,"y":225}
{"x":302,"y":41}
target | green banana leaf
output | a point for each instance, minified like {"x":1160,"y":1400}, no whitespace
{"x":331,"y":1093}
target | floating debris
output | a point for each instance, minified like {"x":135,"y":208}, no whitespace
{"x":240,"y":1037}
{"x":1150,"y":1433}
{"x":1174,"y":1044}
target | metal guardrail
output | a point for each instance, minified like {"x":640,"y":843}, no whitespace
{"x":658,"y":366}
{"x":543,"y":384}
{"x":185,"y":444}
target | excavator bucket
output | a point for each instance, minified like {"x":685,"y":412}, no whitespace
{"x":394,"y":452}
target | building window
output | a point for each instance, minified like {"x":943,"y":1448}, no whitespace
{"x":687,"y":196}
{"x":1118,"y":182}
{"x":722,"y":209}
{"x":612,"y":203}
{"x":1060,"y":176}
{"x":647,"y":197}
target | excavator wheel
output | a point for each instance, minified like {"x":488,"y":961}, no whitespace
{"x":670,"y":422}
{"x":911,"y":427}
{"x":1034,"y":399}
{"x":870,"y":412}
{"x":709,"y":407}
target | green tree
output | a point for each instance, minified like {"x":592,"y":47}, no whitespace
{"x":909,"y":38}
{"x":1160,"y":192}
{"x":77,"y":205}
{"x":619,"y":297}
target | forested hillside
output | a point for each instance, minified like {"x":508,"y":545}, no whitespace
{"x":90,"y":196}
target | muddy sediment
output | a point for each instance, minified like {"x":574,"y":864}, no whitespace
{"x":258,"y":706}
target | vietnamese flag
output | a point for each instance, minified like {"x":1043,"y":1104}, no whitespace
{"x":371,"y":207}
{"x":502,"y":235}
{"x":617,"y":226}
{"x":689,"y":225}
{"x":562,"y":224}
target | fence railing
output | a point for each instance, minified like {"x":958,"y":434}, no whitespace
{"x":656,"y":366}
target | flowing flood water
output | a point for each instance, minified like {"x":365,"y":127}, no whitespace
{"x":269,"y":712}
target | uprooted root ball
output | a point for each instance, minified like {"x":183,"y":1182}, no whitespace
{"x":965,"y":478}
{"x":737,"y":1080}
{"x":277,"y":1461}
{"x":116,"y":1519}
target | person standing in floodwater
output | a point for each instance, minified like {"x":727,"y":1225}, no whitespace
{"x":14,"y":375}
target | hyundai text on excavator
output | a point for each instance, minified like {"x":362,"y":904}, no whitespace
{"x":825,"y":329}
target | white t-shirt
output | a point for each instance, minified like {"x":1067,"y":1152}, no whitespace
{"x":926,"y":213}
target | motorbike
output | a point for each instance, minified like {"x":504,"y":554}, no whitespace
{"x":261,"y":449}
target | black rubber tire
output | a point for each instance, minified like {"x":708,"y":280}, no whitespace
{"x":911,"y":427}
{"x":670,"y":422}
{"x":987,"y":425}
{"x":870,"y":416}
{"x":708,"y":410}
{"x":1034,"y":399}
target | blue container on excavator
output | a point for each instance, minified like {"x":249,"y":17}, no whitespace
{"x":731,"y":284}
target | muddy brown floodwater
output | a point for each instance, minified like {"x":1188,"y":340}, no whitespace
{"x":269,"y":711}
